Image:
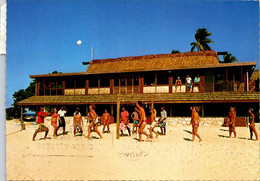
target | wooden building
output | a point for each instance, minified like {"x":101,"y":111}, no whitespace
{"x":152,"y":78}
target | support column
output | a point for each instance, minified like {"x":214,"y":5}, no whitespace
{"x":171,"y":110}
{"x":112,"y":110}
{"x":63,"y":87}
{"x":86,"y":87}
{"x":87,"y":109}
{"x":170,"y":84}
{"x":152,"y":102}
{"x":141,"y":84}
{"x":22,"y":123}
{"x":202,"y":110}
{"x":111,"y":86}
{"x":117,"y":116}
{"x":247,"y":81}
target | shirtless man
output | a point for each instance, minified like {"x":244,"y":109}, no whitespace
{"x":105,"y":117}
{"x":232,"y":120}
{"x":252,"y":124}
{"x":124,"y":121}
{"x":178,"y":83}
{"x":77,"y":122}
{"x":195,"y":123}
{"x":142,"y":122}
{"x":153,"y":124}
{"x":94,"y":123}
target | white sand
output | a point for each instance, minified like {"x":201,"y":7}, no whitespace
{"x":171,"y":157}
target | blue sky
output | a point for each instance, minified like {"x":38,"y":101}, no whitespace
{"x":42,"y":35}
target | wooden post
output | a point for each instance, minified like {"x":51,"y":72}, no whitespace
{"x":63,"y":87}
{"x":22,"y":123}
{"x":213,"y":83}
{"x":111,"y":86}
{"x":86,"y":87}
{"x":38,"y":88}
{"x":112,"y":110}
{"x":117,"y":116}
{"x":141,"y":84}
{"x":202,"y":83}
{"x":170,"y":84}
{"x":245,"y":83}
{"x":152,"y":102}
{"x":171,"y":110}
{"x":202,"y":110}
{"x":21,"y":114}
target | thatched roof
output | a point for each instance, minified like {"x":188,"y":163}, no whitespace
{"x":209,"y":97}
{"x":154,"y":62}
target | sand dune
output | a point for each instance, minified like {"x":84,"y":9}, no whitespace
{"x":170,"y":157}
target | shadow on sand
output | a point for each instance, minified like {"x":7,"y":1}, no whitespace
{"x":187,"y":131}
{"x":223,"y":130}
{"x":222,"y":136}
{"x":48,"y":138}
{"x":187,"y":139}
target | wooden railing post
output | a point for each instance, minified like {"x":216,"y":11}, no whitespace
{"x":170,"y":84}
{"x":117,"y":116}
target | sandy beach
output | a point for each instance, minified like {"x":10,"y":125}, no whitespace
{"x":170,"y":157}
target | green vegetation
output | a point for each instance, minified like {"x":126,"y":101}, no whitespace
{"x":202,"y":40}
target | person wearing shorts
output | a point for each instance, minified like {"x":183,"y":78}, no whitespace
{"x":162,"y":121}
{"x":77,"y":123}
{"x":41,"y":127}
{"x":188,"y":83}
{"x":125,"y":121}
{"x":62,"y":113}
{"x":135,"y":118}
{"x":153,"y":124}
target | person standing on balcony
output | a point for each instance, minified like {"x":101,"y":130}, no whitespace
{"x":252,"y":124}
{"x":61,"y":113}
{"x":162,"y":121}
{"x":232,"y":120}
{"x":178,"y":83}
{"x":196,"y":82}
{"x":125,"y":121}
{"x":188,"y":83}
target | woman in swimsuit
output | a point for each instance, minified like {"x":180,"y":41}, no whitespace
{"x":54,"y":118}
{"x":142,"y":122}
{"x":232,"y":120}
{"x":195,"y":123}
{"x":153,"y":124}
{"x":252,"y":124}
{"x":94,"y":123}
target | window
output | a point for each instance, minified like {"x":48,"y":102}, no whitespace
{"x":69,"y":83}
{"x":122,"y":82}
{"x":162,"y":79}
{"x":149,"y":79}
{"x":105,"y":82}
{"x":136,"y":81}
{"x":93,"y":82}
{"x":116,"y":81}
{"x":80,"y":83}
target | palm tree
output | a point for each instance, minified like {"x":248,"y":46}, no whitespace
{"x":229,"y":58}
{"x":202,"y":41}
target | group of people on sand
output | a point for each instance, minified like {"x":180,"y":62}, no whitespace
{"x":140,"y":122}
{"x":56,"y":116}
